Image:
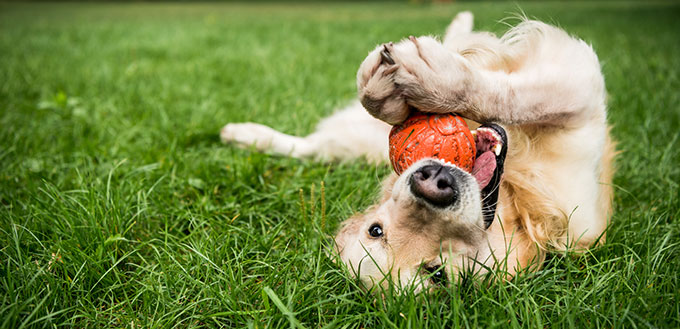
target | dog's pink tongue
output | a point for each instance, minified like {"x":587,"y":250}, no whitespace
{"x":485,"y":164}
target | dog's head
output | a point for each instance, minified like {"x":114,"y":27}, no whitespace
{"x":430,"y":222}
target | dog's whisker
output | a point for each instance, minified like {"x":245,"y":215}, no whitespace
{"x":495,"y":188}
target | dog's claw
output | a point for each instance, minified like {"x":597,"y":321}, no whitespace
{"x":385,"y":55}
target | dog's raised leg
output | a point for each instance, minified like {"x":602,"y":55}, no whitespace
{"x":460,"y":26}
{"x":535,"y":74}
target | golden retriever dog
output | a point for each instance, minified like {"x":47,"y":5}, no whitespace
{"x":542,"y":177}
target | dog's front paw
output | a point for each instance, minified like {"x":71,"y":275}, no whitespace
{"x":419,"y":72}
{"x":431,"y":77}
{"x":377,"y":91}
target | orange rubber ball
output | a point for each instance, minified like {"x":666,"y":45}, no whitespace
{"x":442,"y":136}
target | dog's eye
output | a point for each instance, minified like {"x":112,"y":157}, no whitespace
{"x":438,"y":276}
{"x":375,"y":231}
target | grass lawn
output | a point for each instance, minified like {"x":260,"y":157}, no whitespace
{"x":120,"y":208}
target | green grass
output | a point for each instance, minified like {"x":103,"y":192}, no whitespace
{"x":120,"y":208}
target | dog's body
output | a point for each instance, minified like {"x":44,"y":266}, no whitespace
{"x":544,"y":87}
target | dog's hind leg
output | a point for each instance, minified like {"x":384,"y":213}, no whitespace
{"x":461,"y":25}
{"x":347,"y":134}
{"x":264,"y":138}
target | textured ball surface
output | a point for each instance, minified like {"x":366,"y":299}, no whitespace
{"x":443,"y":136}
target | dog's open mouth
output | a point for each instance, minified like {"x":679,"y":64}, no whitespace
{"x":492,"y":144}
{"x":489,"y":143}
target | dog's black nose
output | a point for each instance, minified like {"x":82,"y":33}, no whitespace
{"x":435,"y":184}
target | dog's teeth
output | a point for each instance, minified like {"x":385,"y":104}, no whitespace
{"x":497,"y":149}
{"x":474,"y":133}
{"x":493,"y":133}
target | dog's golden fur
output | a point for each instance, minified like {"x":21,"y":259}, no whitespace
{"x":543,"y":86}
